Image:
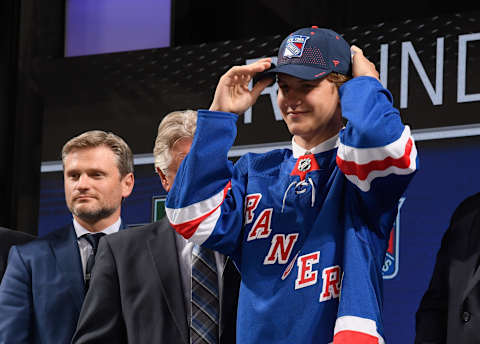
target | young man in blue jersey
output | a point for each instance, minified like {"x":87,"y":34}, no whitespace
{"x":308,"y":227}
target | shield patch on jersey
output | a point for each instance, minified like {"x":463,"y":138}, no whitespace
{"x":391,"y":262}
{"x":295,"y":45}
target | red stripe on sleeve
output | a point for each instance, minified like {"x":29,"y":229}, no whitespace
{"x":188,"y":229}
{"x":349,"y":337}
{"x":363,"y":170}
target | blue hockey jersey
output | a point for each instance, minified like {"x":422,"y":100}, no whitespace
{"x":307,"y":230}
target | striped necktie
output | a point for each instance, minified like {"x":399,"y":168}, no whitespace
{"x":205,"y":307}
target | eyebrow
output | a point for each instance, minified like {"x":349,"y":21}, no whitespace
{"x":88,"y":171}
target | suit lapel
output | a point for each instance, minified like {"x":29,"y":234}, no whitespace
{"x":224,"y":300}
{"x":163,"y":250}
{"x":472,"y":263}
{"x":67,"y":256}
{"x":473,"y":281}
{"x":228,"y":302}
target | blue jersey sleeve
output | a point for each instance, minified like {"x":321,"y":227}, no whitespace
{"x":205,"y":203}
{"x":377,"y":153}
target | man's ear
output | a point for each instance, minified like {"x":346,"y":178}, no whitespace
{"x":127,"y":185}
{"x":163,"y":179}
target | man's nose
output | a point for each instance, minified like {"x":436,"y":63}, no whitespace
{"x":293,"y":99}
{"x":83,"y":182}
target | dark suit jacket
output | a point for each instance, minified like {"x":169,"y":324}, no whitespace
{"x":8,"y":238}
{"x":136,"y":296}
{"x":450,"y":309}
{"x":42,"y":291}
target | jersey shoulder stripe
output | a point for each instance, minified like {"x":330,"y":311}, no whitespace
{"x":362,"y":165}
{"x":198,"y":220}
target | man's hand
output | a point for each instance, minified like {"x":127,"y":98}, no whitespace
{"x":361,"y":66}
{"x":232,"y":93}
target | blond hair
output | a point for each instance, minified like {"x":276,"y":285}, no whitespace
{"x":97,"y":138}
{"x":338,"y":79}
{"x":174,"y":126}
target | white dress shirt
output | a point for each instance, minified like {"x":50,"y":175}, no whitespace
{"x":84,"y":245}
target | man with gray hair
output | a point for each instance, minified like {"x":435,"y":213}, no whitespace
{"x":174,"y":138}
{"x":46,"y":279}
{"x":142,"y":288}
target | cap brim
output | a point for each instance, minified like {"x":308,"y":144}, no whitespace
{"x":301,"y":71}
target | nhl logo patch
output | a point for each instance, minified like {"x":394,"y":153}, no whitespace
{"x":304,"y":165}
{"x":295,"y":45}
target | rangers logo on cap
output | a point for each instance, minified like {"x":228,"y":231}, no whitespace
{"x":295,"y":45}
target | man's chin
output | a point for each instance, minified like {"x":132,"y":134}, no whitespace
{"x":92,"y":215}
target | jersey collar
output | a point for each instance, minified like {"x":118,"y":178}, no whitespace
{"x":327,"y":145}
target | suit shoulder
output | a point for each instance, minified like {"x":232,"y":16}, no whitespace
{"x":13,"y":237}
{"x":470,"y":205}
{"x":465,"y":215}
{"x":40,"y":246}
{"x":133,"y":233}
{"x":52,"y":236}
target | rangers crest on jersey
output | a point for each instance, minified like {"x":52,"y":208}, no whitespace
{"x":295,"y":45}
{"x":391,"y":262}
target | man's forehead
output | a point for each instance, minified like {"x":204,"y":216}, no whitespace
{"x":102,"y":149}
{"x":94,"y":156}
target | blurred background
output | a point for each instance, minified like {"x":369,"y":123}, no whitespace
{"x":121,"y":65}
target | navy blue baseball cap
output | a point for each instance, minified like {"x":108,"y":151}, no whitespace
{"x":313,"y":53}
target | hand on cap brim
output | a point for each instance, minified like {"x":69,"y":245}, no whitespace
{"x":232,"y":93}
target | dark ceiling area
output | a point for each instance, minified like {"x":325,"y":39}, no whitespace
{"x":209,"y":21}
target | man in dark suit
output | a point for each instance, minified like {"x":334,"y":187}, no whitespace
{"x":449,"y":312}
{"x":44,"y":285}
{"x":141,"y":286}
{"x":8,"y":238}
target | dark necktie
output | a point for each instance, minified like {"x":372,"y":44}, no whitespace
{"x":205,"y":309}
{"x":93,"y":240}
